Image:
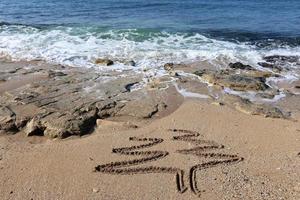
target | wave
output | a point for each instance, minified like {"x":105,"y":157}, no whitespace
{"x":150,"y":49}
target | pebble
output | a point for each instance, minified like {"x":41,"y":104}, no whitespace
{"x":95,"y":190}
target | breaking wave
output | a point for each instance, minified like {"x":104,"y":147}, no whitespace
{"x":150,"y":49}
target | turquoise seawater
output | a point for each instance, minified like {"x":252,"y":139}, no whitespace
{"x":76,"y":32}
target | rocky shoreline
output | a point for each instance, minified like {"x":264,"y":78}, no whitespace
{"x":58,"y":101}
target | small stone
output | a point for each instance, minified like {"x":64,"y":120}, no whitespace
{"x":95,"y":190}
{"x":169,"y":66}
{"x":106,"y":62}
{"x":218,"y":103}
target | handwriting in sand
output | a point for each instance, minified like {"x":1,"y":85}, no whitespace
{"x":202,"y":148}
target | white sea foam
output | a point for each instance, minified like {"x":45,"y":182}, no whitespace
{"x":79,"y":47}
{"x":75,"y":47}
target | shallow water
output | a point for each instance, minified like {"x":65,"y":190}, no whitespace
{"x":151,"y":33}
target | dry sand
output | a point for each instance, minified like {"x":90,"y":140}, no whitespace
{"x":39,"y":168}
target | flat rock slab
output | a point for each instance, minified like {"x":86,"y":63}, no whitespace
{"x":68,"y":101}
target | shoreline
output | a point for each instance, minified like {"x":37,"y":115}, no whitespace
{"x":72,"y":118}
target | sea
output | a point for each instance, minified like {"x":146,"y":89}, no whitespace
{"x":150,"y":32}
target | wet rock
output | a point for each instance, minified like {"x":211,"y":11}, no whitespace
{"x":281,"y":58}
{"x":104,"y":61}
{"x":239,"y":65}
{"x":242,"y":83}
{"x":273,"y":67}
{"x":69,"y":102}
{"x":266,"y":110}
{"x":129,"y":86}
{"x":169,"y":66}
{"x":7,"y":119}
{"x":239,"y":82}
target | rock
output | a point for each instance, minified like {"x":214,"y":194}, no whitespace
{"x":106,"y":62}
{"x":281,"y":58}
{"x":270,"y":66}
{"x":7,"y":119}
{"x":169,"y":66}
{"x":129,"y":86}
{"x":264,"y":74}
{"x":108,"y":108}
{"x":239,"y":82}
{"x":242,"y":83}
{"x":34,"y":128}
{"x":69,"y":102}
{"x":297,"y":86}
{"x":269,"y":111}
{"x":140,"y":109}
{"x":80,"y":122}
{"x":52,"y":74}
{"x":239,"y":65}
{"x":265,"y":95}
{"x":156,"y":84}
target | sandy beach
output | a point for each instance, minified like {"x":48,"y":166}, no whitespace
{"x":35,"y":168}
{"x":59,"y":141}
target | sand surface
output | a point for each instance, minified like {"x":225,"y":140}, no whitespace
{"x":40,"y":168}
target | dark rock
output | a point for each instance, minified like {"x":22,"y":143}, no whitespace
{"x":281,"y":58}
{"x":104,"y":61}
{"x":239,"y":65}
{"x":129,"y":86}
{"x":169,"y":66}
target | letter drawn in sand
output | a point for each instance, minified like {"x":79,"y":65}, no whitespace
{"x":201,"y":149}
